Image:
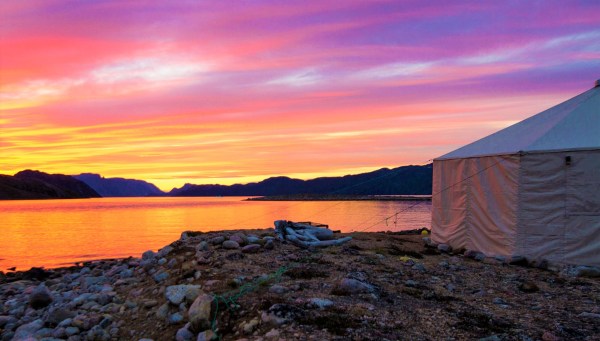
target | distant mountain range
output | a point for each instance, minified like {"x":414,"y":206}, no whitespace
{"x":409,"y":180}
{"x":119,"y":187}
{"x":28,"y":184}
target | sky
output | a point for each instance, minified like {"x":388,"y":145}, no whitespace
{"x":226,"y":92}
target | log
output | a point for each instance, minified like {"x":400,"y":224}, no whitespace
{"x":305,"y":235}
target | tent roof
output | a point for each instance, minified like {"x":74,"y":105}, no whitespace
{"x":573,"y":124}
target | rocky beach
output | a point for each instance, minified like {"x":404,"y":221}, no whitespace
{"x":249,"y":285}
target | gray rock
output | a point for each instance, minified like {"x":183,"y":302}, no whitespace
{"x":499,"y":301}
{"x":40,"y":297}
{"x":269,"y":245}
{"x":163,"y":311}
{"x":410,"y":283}
{"x":160,"y":276}
{"x":164,"y":251}
{"x":200,"y":313}
{"x":5,"y":320}
{"x":217,"y":240}
{"x":351,"y":286}
{"x":251,"y":248}
{"x":518,"y":260}
{"x":590,"y":315}
{"x":253,"y":240}
{"x":162,"y":261}
{"x":57,"y":315}
{"x":148,"y":255}
{"x":175,"y":318}
{"x":279,"y":314}
{"x":444,"y":248}
{"x":240,"y":238}
{"x":98,"y":334}
{"x":207,"y":335}
{"x":491,"y":338}
{"x":202,"y":246}
{"x":278,"y":289}
{"x":586,"y":271}
{"x":172,"y":263}
{"x":28,"y":330}
{"x":231,"y":244}
{"x":184,"y":334}
{"x":320,"y":303}
{"x":419,"y":267}
{"x":178,"y":293}
{"x":43,"y":333}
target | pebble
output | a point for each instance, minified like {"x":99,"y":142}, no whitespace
{"x":444,"y":248}
{"x":148,"y":255}
{"x":184,"y":334}
{"x":269,"y":245}
{"x":217,"y":240}
{"x":28,"y":330}
{"x":410,"y":283}
{"x":350,"y":286}
{"x":231,"y":244}
{"x":202,"y":246}
{"x":251,"y":248}
{"x":585,"y":271}
{"x":320,"y":303}
{"x":164,"y":251}
{"x":207,"y":335}
{"x":272,"y":334}
{"x":40,"y":297}
{"x":278,"y":289}
{"x":589,"y":315}
{"x":175,"y":318}
{"x":160,"y":276}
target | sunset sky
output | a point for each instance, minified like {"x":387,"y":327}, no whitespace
{"x":232,"y":92}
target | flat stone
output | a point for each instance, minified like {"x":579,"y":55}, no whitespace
{"x":230,"y":245}
{"x":589,"y":315}
{"x":269,"y":245}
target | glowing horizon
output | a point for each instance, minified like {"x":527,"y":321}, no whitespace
{"x":209,"y":93}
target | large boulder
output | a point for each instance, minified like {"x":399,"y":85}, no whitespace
{"x":200,"y":313}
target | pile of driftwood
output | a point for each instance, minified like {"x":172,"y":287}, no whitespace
{"x":306,"y":234}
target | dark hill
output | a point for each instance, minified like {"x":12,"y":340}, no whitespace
{"x":31,"y":184}
{"x":407,"y":180}
{"x":119,"y":187}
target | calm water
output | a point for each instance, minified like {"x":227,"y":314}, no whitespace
{"x":53,"y":233}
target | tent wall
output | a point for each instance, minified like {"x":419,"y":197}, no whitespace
{"x":475,"y":203}
{"x":559,"y":210}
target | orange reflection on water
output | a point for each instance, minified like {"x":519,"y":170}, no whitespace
{"x":53,"y":233}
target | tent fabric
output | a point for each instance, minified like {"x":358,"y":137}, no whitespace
{"x":537,"y":196}
{"x":573,"y":124}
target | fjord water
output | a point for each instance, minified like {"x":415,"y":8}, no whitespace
{"x":54,"y":233}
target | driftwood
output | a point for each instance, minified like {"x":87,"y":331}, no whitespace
{"x":306,"y":235}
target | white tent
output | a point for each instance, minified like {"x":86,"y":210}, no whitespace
{"x":532,"y":189}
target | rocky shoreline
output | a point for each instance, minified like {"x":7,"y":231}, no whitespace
{"x":248,"y":285}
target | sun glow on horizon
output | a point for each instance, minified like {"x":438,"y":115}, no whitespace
{"x":235,"y":94}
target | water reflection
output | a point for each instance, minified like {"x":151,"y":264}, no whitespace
{"x":52,"y":233}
